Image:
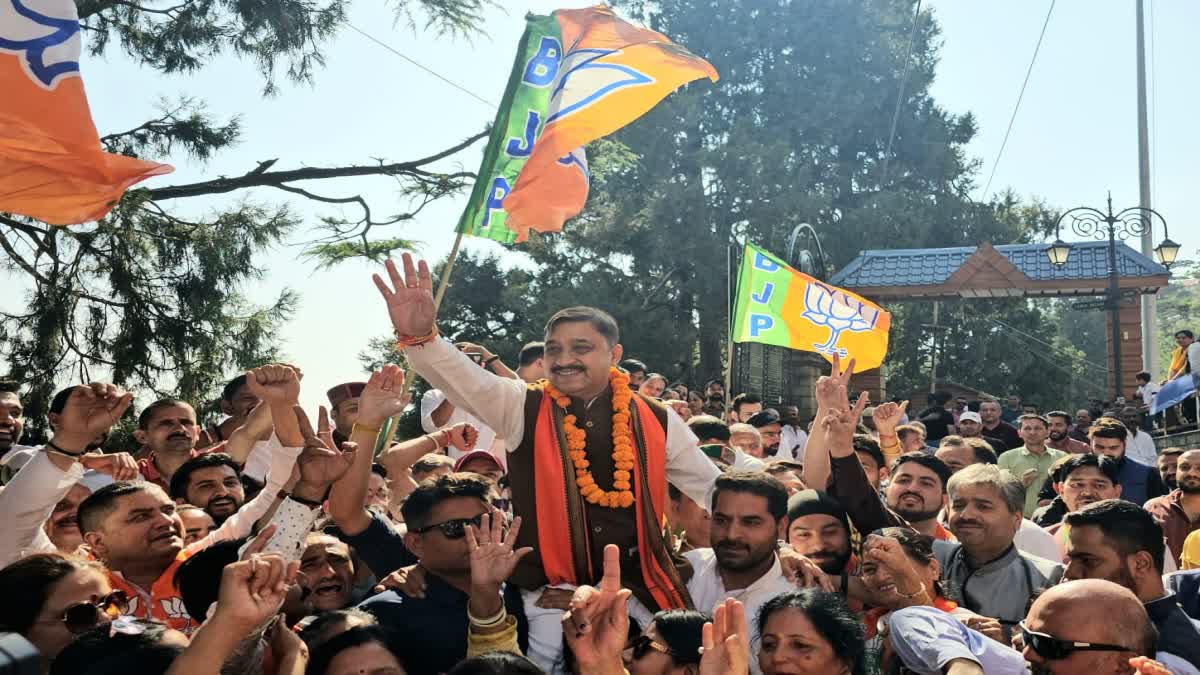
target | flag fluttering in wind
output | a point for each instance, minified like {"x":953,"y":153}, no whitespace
{"x":1173,"y":393}
{"x":777,"y":305}
{"x":579,"y":75}
{"x":52,"y":166}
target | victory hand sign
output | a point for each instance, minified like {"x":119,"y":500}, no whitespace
{"x":409,"y":298}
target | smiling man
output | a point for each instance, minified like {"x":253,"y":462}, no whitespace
{"x":607,"y":486}
{"x":12,"y":423}
{"x":211,"y":481}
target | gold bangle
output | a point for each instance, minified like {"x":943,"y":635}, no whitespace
{"x":405,"y":341}
{"x":364,"y":429}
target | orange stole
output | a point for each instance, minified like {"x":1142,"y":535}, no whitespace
{"x":551,"y":503}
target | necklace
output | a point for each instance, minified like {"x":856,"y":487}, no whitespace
{"x":621,"y":496}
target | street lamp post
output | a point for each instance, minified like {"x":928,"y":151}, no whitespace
{"x":1134,"y":221}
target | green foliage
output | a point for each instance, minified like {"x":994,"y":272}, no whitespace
{"x":447,"y":17}
{"x":1178,"y":309}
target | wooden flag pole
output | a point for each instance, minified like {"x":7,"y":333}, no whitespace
{"x":443,"y":283}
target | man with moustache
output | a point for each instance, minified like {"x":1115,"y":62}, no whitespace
{"x":984,"y":571}
{"x":167,"y":428}
{"x":1119,"y":542}
{"x":1168,"y":465}
{"x":1179,"y":511}
{"x":1060,"y":434}
{"x":819,"y":529}
{"x":211,"y":481}
{"x":749,"y":517}
{"x":607,"y":486}
{"x":1139,"y":483}
{"x":327,"y":572}
{"x":1080,"y":480}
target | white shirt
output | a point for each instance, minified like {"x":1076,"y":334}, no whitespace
{"x":1147,"y":392}
{"x":1140,"y":448}
{"x":791,"y":444}
{"x":707,"y":589}
{"x":500,"y":403}
{"x":434,"y":398}
{"x":1035,"y":541}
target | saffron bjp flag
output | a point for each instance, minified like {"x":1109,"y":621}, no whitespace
{"x":52,"y":166}
{"x":579,"y":75}
{"x":776,"y":305}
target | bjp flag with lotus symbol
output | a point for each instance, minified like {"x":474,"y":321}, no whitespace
{"x":52,"y":166}
{"x":776,"y":305}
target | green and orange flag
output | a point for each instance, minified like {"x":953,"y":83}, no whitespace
{"x":579,"y":75}
{"x":776,"y":305}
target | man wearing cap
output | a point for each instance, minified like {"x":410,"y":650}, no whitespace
{"x":819,"y":529}
{"x":771,"y":429}
{"x":343,"y":409}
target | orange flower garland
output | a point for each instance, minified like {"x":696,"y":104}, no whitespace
{"x":621,"y":496}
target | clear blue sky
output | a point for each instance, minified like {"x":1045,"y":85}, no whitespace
{"x":1074,"y":138}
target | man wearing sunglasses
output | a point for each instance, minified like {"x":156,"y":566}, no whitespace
{"x":430,"y":632}
{"x":1120,"y":542}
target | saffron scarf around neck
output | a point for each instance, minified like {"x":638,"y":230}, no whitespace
{"x":556,"y":532}
{"x":1178,"y":361}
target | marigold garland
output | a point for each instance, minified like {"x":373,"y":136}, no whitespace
{"x":621,"y":496}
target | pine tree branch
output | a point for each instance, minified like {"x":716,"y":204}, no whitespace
{"x":257,"y":178}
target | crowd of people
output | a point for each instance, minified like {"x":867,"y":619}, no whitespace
{"x":575,"y":511}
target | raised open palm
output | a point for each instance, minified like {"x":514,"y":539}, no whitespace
{"x":409,"y":298}
{"x":383,"y":396}
{"x":491,"y":548}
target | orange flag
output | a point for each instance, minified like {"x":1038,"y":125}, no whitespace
{"x":52,"y":167}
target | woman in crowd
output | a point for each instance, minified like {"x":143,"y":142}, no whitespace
{"x":51,"y":599}
{"x":810,"y":632}
{"x":653,"y":385}
{"x":695,"y":402}
{"x":670,"y":644}
{"x":358,"y":650}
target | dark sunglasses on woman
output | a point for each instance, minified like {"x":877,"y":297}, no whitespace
{"x":1055,"y":649}
{"x":81,"y":617}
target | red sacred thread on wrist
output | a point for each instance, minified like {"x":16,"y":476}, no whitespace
{"x":406,"y":341}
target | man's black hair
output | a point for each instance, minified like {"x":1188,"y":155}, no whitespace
{"x":707,"y":426}
{"x":231,"y":388}
{"x":421,"y":502}
{"x":102,"y":502}
{"x":928,"y":461}
{"x":530,"y":353}
{"x":1108,"y":427}
{"x":148,"y":413}
{"x":103,"y":651}
{"x":867,"y":443}
{"x":1103,"y":463}
{"x":9,"y":387}
{"x":1061,"y":414}
{"x":632,"y":366}
{"x":496,"y":663}
{"x":1144,"y":376}
{"x":1127,"y":527}
{"x":183,"y":475}
{"x":59,"y":402}
{"x":743,"y":398}
{"x":198,"y":579}
{"x":756,"y":483}
{"x":379,"y":470}
{"x":600,"y":320}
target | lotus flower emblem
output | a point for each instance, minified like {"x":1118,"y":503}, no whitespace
{"x":827,"y":306}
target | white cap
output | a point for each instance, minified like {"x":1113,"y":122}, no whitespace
{"x":970,"y":416}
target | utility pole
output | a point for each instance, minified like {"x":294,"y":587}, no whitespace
{"x":934,"y":328}
{"x":1149,"y":302}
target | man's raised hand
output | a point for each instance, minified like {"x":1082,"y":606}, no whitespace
{"x":275,"y":383}
{"x":409,"y":297}
{"x":597,"y":626}
{"x":832,"y":390}
{"x":119,"y":465}
{"x":383,"y":397}
{"x":887,"y":417}
{"x":491,"y":550}
{"x":463,"y":436}
{"x":91,"y":410}
{"x":726,"y":641}
{"x":840,"y":426}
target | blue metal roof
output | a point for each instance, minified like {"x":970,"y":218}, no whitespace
{"x":933,"y":266}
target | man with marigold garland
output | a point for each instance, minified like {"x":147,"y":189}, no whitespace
{"x":588,"y":461}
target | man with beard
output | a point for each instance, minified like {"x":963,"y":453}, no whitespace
{"x":744,"y":406}
{"x":749,"y":515}
{"x":1083,"y":422}
{"x":1139,"y":446}
{"x":1168,"y":464}
{"x":1119,"y":542}
{"x":917,"y":492}
{"x":1179,"y":511}
{"x":1060,"y":434}
{"x":819,"y":529}
{"x":1080,"y":480}
{"x":1002,"y":435}
{"x":1139,"y":483}
{"x":771,"y":430}
{"x":211,"y":481}
{"x":984,"y":571}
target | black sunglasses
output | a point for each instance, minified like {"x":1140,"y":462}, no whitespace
{"x":642,"y":644}
{"x":453,"y":529}
{"x":1054,"y":649}
{"x":84,"y":616}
